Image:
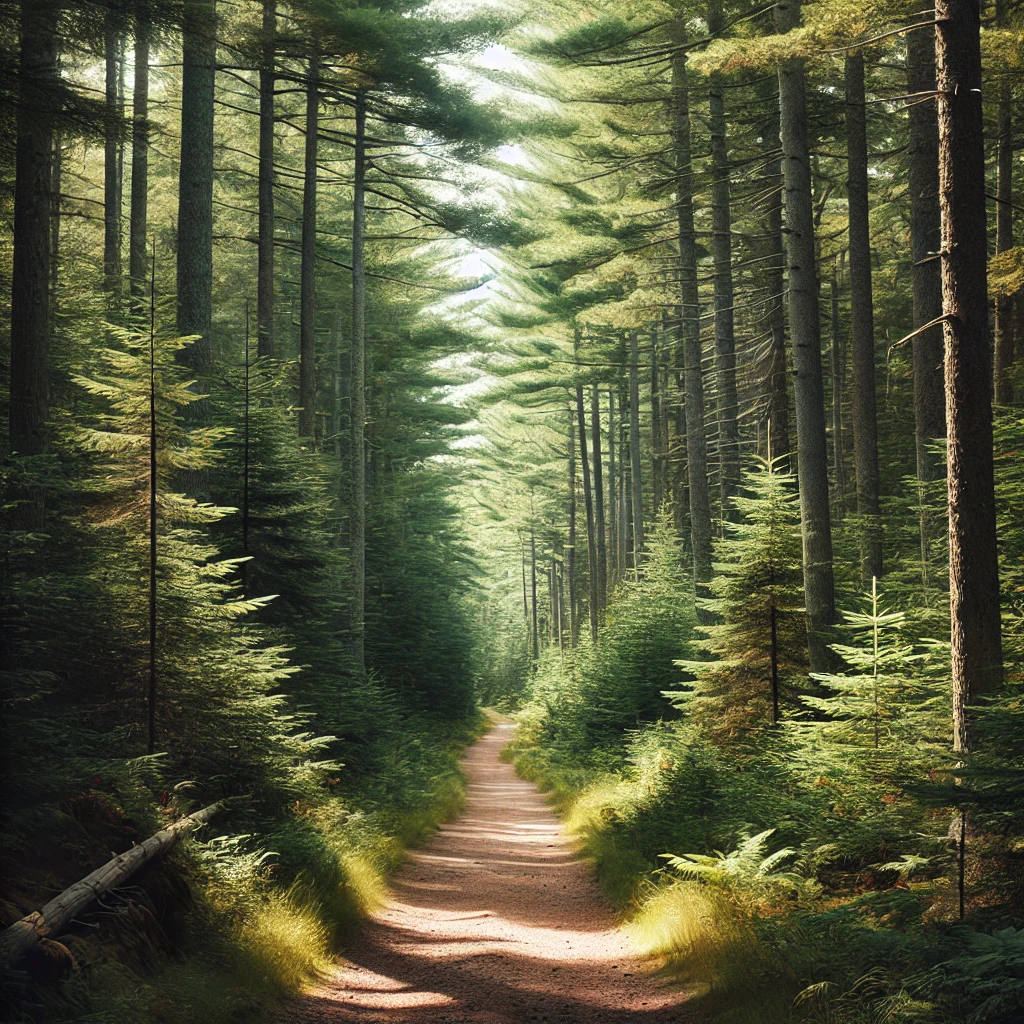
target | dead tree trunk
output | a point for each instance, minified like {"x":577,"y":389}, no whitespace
{"x":22,"y":936}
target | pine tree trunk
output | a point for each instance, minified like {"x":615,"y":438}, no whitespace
{"x":1004,"y":339}
{"x":862,"y":324}
{"x":533,"y":593}
{"x":138,"y":218}
{"x":56,"y":188}
{"x":925,"y":242}
{"x":808,"y":388}
{"x":693,"y":398}
{"x":588,"y":501}
{"x":657,"y":456}
{"x":357,"y":515}
{"x":307,"y":308}
{"x":599,"y":523}
{"x":112,"y":196}
{"x":613,"y":498}
{"x":776,"y":396}
{"x":837,"y":351}
{"x":636,"y":482}
{"x":570,"y":555}
{"x":625,"y":501}
{"x":973,"y":564}
{"x":30,"y":272}
{"x":195,"y":192}
{"x":721,"y":251}
{"x":265,"y":256}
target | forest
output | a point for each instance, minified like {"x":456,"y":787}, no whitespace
{"x":648,"y":374}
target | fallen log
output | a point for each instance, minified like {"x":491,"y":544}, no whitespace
{"x":24,"y":935}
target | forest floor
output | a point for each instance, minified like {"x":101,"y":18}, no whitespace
{"x":496,"y":920}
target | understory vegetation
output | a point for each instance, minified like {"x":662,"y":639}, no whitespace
{"x":653,"y":371}
{"x":806,"y":869}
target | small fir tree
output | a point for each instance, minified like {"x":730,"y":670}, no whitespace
{"x":757,"y":646}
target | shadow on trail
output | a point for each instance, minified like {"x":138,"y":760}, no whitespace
{"x":495,"y":921}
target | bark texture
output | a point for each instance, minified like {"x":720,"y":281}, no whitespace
{"x":22,"y":936}
{"x":138,"y":217}
{"x":721,"y":251}
{"x":636,"y":482}
{"x":862,"y":324}
{"x":307,"y":314}
{"x":195,"y":190}
{"x":693,"y":378}
{"x":925,"y":242}
{"x":357,"y":513}
{"x":1004,"y":335}
{"x":808,"y":389}
{"x":112,"y":182}
{"x":599,"y":518}
{"x":973,"y":563}
{"x":30,"y":272}
{"x":588,"y":503}
{"x":265,"y":254}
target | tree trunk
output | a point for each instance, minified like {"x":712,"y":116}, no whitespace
{"x":613,"y":498}
{"x":721,"y":251}
{"x":357,"y":515}
{"x":862,"y":324}
{"x":599,"y":523}
{"x":56,"y":187}
{"x":657,"y":456}
{"x":533,"y":592}
{"x":588,"y":501}
{"x":138,"y":218}
{"x":925,"y":242}
{"x":195,"y":192}
{"x":973,"y":565}
{"x":570,"y":554}
{"x":307,"y":307}
{"x":24,"y":935}
{"x":1004,"y":340}
{"x":808,"y":388}
{"x":265,"y":257}
{"x":777,"y":397}
{"x":636,"y":481}
{"x":693,"y":398}
{"x":30,"y":272}
{"x":112,"y":195}
{"x":838,"y":359}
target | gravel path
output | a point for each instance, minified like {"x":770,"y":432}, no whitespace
{"x":494,"y":921}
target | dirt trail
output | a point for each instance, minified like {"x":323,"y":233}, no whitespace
{"x":494,"y":921}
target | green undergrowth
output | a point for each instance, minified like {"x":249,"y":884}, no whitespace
{"x":781,"y":927}
{"x":228,"y":925}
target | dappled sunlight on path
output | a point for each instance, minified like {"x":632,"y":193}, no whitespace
{"x":495,"y":921}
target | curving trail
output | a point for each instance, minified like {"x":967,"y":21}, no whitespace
{"x":494,"y":921}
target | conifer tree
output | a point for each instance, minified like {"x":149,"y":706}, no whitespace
{"x":758,"y":644}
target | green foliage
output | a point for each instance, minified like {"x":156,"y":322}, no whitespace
{"x":759,"y":635}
